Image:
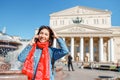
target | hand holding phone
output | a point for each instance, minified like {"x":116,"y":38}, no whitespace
{"x":34,"y":40}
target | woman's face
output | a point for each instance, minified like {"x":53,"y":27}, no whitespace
{"x":44,"y":35}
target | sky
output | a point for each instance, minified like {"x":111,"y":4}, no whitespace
{"x":22,"y":17}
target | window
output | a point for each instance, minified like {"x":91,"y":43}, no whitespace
{"x":61,"y":22}
{"x":54,"y":23}
{"x":87,"y":49}
{"x":96,"y":21}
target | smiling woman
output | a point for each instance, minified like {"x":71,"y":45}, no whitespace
{"x":38,"y":55}
{"x":44,"y":34}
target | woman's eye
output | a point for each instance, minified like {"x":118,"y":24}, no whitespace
{"x":46,"y":34}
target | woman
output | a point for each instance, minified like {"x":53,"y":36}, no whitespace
{"x":38,"y":55}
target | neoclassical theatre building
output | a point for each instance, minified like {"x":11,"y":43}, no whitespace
{"x":88,"y":33}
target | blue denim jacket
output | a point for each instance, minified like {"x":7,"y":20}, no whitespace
{"x":58,"y":53}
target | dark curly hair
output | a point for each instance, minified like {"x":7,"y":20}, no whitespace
{"x":51,"y":34}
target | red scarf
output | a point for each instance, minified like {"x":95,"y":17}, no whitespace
{"x":43,"y":70}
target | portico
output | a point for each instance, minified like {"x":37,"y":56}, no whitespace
{"x":88,"y":46}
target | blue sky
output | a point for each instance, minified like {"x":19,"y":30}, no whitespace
{"x":22,"y":17}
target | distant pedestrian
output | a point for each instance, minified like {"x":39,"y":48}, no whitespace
{"x":70,"y":65}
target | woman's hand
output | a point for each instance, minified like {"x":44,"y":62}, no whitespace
{"x":55,"y":35}
{"x":33,"y":40}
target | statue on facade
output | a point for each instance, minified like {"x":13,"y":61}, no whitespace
{"x":77,"y":20}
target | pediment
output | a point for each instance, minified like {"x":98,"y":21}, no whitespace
{"x":79,"y":28}
{"x":78,"y":10}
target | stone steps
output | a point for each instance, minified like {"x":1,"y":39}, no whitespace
{"x":12,"y":75}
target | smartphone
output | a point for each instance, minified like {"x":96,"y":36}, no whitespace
{"x":36,"y":39}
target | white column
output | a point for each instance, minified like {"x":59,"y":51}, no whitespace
{"x":101,"y":58}
{"x":63,"y":58}
{"x":81,"y":49}
{"x":111,"y":50}
{"x":54,"y":43}
{"x":72,"y":47}
{"x":108,"y":50}
{"x":91,"y":50}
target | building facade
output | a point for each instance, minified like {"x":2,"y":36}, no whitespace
{"x":88,"y":33}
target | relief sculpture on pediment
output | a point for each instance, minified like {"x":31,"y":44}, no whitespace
{"x":76,"y":29}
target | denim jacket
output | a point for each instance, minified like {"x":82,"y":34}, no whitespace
{"x":55,"y":53}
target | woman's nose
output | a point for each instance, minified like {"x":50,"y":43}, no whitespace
{"x":42,"y":35}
